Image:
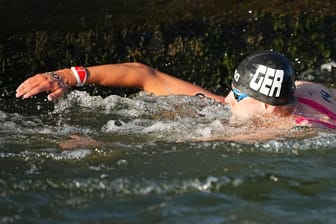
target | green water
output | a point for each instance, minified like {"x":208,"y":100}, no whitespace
{"x":148,"y":170}
{"x":180,"y":183}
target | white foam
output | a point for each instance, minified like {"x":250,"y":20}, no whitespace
{"x":328,"y":66}
{"x":168,"y":118}
{"x":3,"y":115}
{"x":73,"y":154}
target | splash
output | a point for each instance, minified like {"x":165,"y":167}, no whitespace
{"x":167,"y":117}
{"x":133,"y":122}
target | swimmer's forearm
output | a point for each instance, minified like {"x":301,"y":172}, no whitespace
{"x":112,"y":75}
{"x":57,"y":82}
{"x":119,"y":75}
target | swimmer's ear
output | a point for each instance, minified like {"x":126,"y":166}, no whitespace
{"x":279,"y":110}
{"x":269,"y":108}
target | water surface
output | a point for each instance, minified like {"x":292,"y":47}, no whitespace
{"x":146,"y":174}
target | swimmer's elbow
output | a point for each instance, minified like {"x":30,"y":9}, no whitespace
{"x":143,"y":71}
{"x":133,"y":74}
{"x":149,"y":79}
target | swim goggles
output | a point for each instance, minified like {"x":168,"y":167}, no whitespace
{"x":238,"y":95}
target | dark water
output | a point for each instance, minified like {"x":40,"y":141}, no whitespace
{"x":149,"y":169}
{"x":148,"y":172}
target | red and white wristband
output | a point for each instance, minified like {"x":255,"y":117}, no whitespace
{"x":80,"y":74}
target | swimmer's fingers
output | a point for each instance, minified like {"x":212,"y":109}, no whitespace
{"x":56,"y":94}
{"x":35,"y":89}
{"x":29,"y":84}
{"x":42,"y":83}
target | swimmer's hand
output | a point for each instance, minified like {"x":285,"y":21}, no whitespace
{"x":77,"y":141}
{"x":50,"y":82}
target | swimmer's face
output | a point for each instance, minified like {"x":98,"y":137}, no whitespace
{"x":246,"y":108}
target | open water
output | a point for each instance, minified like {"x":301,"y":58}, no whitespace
{"x":148,"y":170}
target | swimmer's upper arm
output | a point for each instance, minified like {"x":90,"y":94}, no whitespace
{"x":160,"y":83}
{"x":141,"y":76}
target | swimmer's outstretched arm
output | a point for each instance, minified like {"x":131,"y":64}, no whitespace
{"x":135,"y":75}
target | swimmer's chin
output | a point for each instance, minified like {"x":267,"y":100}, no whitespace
{"x":243,"y":120}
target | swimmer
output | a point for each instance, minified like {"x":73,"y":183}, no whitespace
{"x":263,"y":86}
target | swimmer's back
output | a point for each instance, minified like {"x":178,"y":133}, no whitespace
{"x":316,"y":93}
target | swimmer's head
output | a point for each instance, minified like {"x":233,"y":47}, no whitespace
{"x":266,"y":76}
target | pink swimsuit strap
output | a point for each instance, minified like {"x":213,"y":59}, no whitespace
{"x":302,"y":119}
{"x":318,"y":107}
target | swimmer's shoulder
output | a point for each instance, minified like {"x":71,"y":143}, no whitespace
{"x":310,"y":88}
{"x":315,"y":91}
{"x":308,"y":85}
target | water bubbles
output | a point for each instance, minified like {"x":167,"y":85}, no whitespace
{"x":209,"y":182}
{"x":297,"y":60}
{"x":122,"y":162}
{"x":33,"y":170}
{"x":10,"y":219}
{"x":73,"y":154}
{"x":274,"y":178}
{"x":328,"y":66}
